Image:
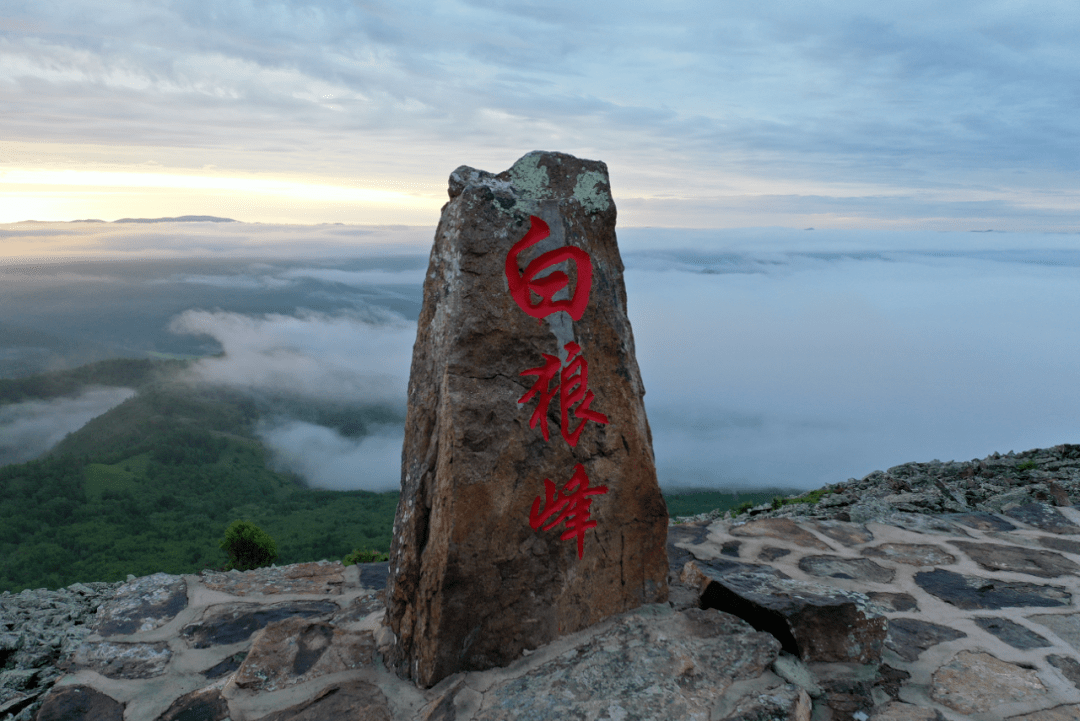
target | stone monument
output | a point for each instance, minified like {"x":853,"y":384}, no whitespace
{"x":529,"y":504}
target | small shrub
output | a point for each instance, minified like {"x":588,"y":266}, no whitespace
{"x":814,"y":496}
{"x":1027,"y":465}
{"x":358,"y":556}
{"x":741,"y":508}
{"x":248,"y":547}
{"x":777,"y":502}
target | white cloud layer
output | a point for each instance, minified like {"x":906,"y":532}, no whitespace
{"x":769,"y":356}
{"x":340,"y":359}
{"x":328,"y":461}
{"x":29,"y":429}
{"x":818,"y":369}
{"x":346,"y":358}
{"x":56,"y":242}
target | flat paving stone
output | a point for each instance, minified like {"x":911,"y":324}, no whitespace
{"x":1065,"y":625}
{"x":233,"y":623}
{"x":1043,"y":516}
{"x":1069,"y":667}
{"x":1011,"y":632}
{"x":199,"y":705}
{"x":771,"y":553}
{"x":345,"y":701}
{"x":996,"y":557}
{"x":973,"y":592}
{"x":855,"y":569}
{"x":981,"y":521}
{"x":1069,"y":712}
{"x":913,"y":554}
{"x":722,"y":566}
{"x":79,"y":702}
{"x":908,"y":637}
{"x":317,"y":577}
{"x":1013,"y":539}
{"x":897,"y":602}
{"x":849,"y":534}
{"x":1054,"y":543}
{"x":976,"y":682}
{"x":900,"y":711}
{"x":919,"y":523}
{"x":782,"y":528}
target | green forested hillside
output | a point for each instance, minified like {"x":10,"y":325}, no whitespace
{"x":121,"y":372}
{"x":153,"y":484}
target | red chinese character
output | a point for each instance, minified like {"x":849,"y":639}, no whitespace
{"x":548,"y":286}
{"x":572,"y":387}
{"x":579,"y":383}
{"x":576,"y":507}
{"x":549,"y":370}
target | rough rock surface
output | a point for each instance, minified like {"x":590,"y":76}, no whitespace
{"x":657,"y":664}
{"x":38,"y":630}
{"x":476,"y":577}
{"x":813,"y":622}
{"x":1004,"y":650}
{"x":1019,"y":485}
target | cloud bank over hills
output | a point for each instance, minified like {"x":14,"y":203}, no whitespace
{"x":353,"y":359}
{"x":29,"y":429}
{"x":769,"y":358}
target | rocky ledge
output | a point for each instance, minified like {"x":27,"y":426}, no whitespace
{"x":1014,"y":483}
{"x":39,"y":629}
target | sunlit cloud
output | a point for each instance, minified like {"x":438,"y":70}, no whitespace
{"x":142,"y":181}
{"x":49,"y":242}
{"x":836,"y":114}
{"x":359,"y":278}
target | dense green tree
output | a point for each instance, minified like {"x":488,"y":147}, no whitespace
{"x":248,"y":546}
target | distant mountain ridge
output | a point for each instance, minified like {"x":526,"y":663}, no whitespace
{"x":181,"y":219}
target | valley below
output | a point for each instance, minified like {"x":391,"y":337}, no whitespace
{"x":152,"y":484}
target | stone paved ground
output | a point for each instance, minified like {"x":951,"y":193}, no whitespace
{"x":981,"y":609}
{"x":973,"y":566}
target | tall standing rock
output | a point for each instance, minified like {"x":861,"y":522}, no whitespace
{"x":517,"y":526}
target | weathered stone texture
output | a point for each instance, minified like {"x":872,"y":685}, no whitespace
{"x":908,"y":637}
{"x":976,"y":682}
{"x":472,"y":584}
{"x":813,"y":622}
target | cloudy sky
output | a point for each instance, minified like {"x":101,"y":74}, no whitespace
{"x":890,"y":333}
{"x":836,"y":114}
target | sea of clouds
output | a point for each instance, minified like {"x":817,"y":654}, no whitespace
{"x":769,"y":357}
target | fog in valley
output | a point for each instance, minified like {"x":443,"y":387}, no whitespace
{"x":770,"y":357}
{"x":27,"y":430}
